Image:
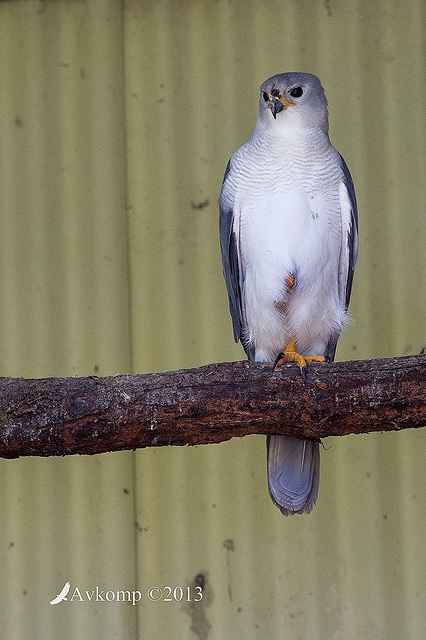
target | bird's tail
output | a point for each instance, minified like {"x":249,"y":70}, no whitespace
{"x":293,"y":473}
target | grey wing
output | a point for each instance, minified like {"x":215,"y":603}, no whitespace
{"x":349,"y":244}
{"x":350,"y":232}
{"x":231,"y":267}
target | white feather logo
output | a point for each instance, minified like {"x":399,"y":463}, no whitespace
{"x":62,"y":595}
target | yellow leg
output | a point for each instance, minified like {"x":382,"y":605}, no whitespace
{"x":290,"y":355}
{"x":290,"y":281}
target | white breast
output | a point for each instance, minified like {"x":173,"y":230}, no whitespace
{"x":287,"y":221}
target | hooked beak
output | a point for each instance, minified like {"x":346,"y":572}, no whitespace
{"x":277,"y":105}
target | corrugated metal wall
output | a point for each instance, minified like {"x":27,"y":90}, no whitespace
{"x":116,"y":123}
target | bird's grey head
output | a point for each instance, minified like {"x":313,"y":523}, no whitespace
{"x":293,"y":101}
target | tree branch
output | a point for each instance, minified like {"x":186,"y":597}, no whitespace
{"x":62,"y":416}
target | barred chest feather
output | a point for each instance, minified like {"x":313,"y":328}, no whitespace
{"x":287,"y":221}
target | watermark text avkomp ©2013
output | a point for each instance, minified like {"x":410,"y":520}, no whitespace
{"x":165,"y":593}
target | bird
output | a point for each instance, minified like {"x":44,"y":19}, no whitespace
{"x":288,"y":227}
{"x":62,"y":595}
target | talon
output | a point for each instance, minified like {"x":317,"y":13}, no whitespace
{"x":290,"y":355}
{"x":279,"y":357}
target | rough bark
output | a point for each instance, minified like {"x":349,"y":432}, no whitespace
{"x":62,"y":416}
